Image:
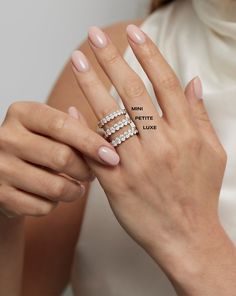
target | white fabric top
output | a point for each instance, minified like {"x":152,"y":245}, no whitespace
{"x":197,"y":38}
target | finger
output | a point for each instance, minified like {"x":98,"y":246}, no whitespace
{"x":101,"y":172}
{"x":19,"y":203}
{"x":35,"y":180}
{"x":72,"y":111}
{"x":48,"y":153}
{"x":128,"y":84}
{"x":166,"y":85}
{"x":97,"y":95}
{"x":107,"y":175}
{"x":194,"y":95}
{"x":58,"y":125}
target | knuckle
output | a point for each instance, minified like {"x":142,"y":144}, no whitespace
{"x":40,"y":109}
{"x":62,"y":157}
{"x":58,"y":190}
{"x":57,"y":123}
{"x":170,"y":154}
{"x":169,"y":82}
{"x":140,"y":175}
{"x":14,"y":108}
{"x":9,"y":138}
{"x":150,"y":53}
{"x":193,"y":143}
{"x":222,"y":154}
{"x":134,"y":88}
{"x":111,"y":56}
{"x":90,"y":83}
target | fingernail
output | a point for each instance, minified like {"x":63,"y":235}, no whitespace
{"x":73,"y":112}
{"x":108,"y":155}
{"x":80,"y":61}
{"x":197,"y":86}
{"x":135,"y":34}
{"x":97,"y":37}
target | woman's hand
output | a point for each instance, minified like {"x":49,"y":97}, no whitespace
{"x":41,"y":159}
{"x":165,"y":190}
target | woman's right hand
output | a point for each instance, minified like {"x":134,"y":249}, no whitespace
{"x":41,"y":158}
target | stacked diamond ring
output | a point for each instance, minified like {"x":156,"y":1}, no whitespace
{"x":117,"y":126}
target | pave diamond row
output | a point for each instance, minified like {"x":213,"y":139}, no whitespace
{"x":123,"y":137}
{"x":111,"y":116}
{"x":117,"y":126}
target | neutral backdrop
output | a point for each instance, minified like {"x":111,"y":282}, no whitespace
{"x":37,"y":38}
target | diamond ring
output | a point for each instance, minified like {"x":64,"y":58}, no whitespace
{"x":111,"y":116}
{"x":123,"y":137}
{"x":116,"y":127}
{"x":132,"y":130}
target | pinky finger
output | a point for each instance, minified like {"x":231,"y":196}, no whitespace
{"x":15,"y":202}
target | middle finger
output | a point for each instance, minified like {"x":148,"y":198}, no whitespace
{"x":128,"y":84}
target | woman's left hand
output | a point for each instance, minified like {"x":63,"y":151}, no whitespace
{"x":165,"y":190}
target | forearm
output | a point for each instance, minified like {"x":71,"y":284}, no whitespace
{"x":208,"y":269}
{"x":11,"y":255}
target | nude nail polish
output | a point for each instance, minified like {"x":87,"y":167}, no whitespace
{"x":73,"y":112}
{"x":135,"y":34}
{"x":108,"y":155}
{"x":97,"y":37}
{"x":80,"y":61}
{"x":197,"y":85}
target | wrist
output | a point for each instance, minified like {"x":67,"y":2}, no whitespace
{"x":194,"y":266}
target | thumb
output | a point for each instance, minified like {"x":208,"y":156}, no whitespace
{"x":75,"y":113}
{"x":194,"y":95}
{"x":99,"y":170}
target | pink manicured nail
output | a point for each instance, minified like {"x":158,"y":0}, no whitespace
{"x":73,"y":112}
{"x":197,"y":85}
{"x":108,"y":155}
{"x":135,"y":34}
{"x":80,"y":61}
{"x":97,"y":37}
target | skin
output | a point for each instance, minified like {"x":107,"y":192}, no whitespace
{"x":190,"y":162}
{"x":183,"y":165}
{"x":30,"y":246}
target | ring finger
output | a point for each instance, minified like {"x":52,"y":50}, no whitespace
{"x":96,"y":93}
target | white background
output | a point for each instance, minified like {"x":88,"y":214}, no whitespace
{"x":37,"y":38}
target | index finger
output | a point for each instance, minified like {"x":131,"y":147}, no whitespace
{"x":45,"y":120}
